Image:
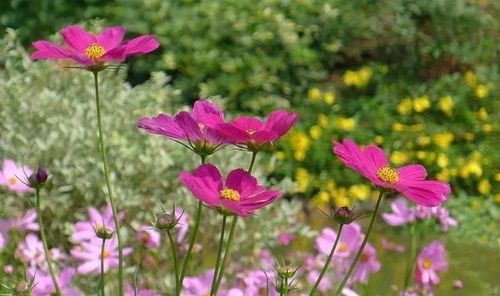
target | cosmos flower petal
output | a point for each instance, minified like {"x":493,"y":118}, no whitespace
{"x":162,"y":125}
{"x":77,"y":38}
{"x":207,"y":113}
{"x":48,"y":50}
{"x":111,"y":37}
{"x":190,"y":127}
{"x":241,"y":181}
{"x":413,"y":172}
{"x":141,"y":45}
{"x":280,"y":122}
{"x":428,"y":193}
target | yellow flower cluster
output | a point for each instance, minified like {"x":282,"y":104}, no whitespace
{"x":300,"y":144}
{"x":303,"y":179}
{"x":419,"y":104}
{"x":315,"y":95}
{"x":446,"y":105}
{"x":443,"y":140}
{"x":359,"y":78}
{"x":472,"y":80}
{"x":341,"y":196}
{"x":346,"y":124}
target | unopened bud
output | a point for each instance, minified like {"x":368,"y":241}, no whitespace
{"x":343,"y":215}
{"x":21,"y":287}
{"x":38,"y":178}
{"x":166,"y":222}
{"x":104,"y":232}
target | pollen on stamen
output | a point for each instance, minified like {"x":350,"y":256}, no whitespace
{"x":250,"y":131}
{"x":388,"y":175}
{"x":202,"y":127}
{"x":230,"y":194}
{"x":427,"y":263}
{"x":12,"y":180}
{"x":94,"y":51}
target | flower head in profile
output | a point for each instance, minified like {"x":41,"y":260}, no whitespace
{"x":89,"y":255}
{"x":86,"y":230}
{"x":430,"y":260}
{"x":93,"y":50}
{"x":239,"y":193}
{"x":43,"y":284}
{"x":196,"y":128}
{"x":409,"y":180}
{"x":14,"y":177}
{"x":255,"y":133}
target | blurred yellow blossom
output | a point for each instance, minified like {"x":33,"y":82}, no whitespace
{"x":314,"y":94}
{"x":482,"y":114}
{"x":423,"y":141}
{"x":280,"y":155}
{"x":360,"y":191}
{"x":442,"y":160}
{"x":443,"y":175}
{"x":397,"y":127}
{"x":476,"y":155}
{"x":399,"y":157}
{"x":330,"y":185}
{"x":469,"y":136}
{"x":315,"y":132}
{"x":487,"y":128}
{"x":421,"y":104}
{"x":421,"y":154}
{"x":497,"y":177}
{"x":303,"y":179}
{"x":481,"y":91}
{"x":497,"y":198}
{"x":379,"y":140}
{"x":329,"y":97}
{"x":299,"y":155}
{"x":475,"y":204}
{"x":431,"y":156}
{"x":446,"y":105}
{"x":484,"y":186}
{"x":443,"y":140}
{"x":323,"y":120}
{"x":359,"y":78}
{"x":471,"y":78}
{"x":347,"y":124}
{"x":472,"y":167}
{"x":417,"y":127}
{"x":405,"y":106}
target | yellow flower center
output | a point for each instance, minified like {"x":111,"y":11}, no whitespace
{"x":364,"y":257}
{"x":202,"y":127}
{"x":250,"y":131}
{"x":343,"y":247}
{"x":427,"y":263}
{"x":144,"y":237}
{"x":94,"y":51}
{"x":12,"y":180}
{"x":230,"y":194}
{"x":388,"y":175}
{"x":105,"y":254}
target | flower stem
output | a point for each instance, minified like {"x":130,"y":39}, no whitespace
{"x":226,"y":255}
{"x":250,"y":168}
{"x":363,"y":244}
{"x":108,"y":185}
{"x":219,"y":254}
{"x":412,"y":257}
{"x":44,"y":241}
{"x":191,"y":243}
{"x":174,"y":256}
{"x":102,"y":266}
{"x":325,"y":267}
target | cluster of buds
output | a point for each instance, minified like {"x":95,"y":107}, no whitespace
{"x":285,"y":283}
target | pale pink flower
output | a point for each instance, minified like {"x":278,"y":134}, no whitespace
{"x":401,"y":214}
{"x":14,"y":177}
{"x":349,"y":241}
{"x":44,"y":286}
{"x":85,"y":230}
{"x":198,"y":285}
{"x":431,"y":259}
{"x":367,"y":264}
{"x":148,"y":236}
{"x":182,"y":225}
{"x":325,"y":284}
{"x":89,"y":253}
{"x":31,"y":251}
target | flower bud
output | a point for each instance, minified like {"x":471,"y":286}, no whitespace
{"x":166,"y":222}
{"x":104,"y":232}
{"x":38,"y":178}
{"x":21,"y":288}
{"x":343,"y":215}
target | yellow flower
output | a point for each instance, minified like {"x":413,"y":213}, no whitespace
{"x":330,"y":185}
{"x":359,"y":78}
{"x":300,"y":141}
{"x":423,"y":141}
{"x":329,"y":98}
{"x":482,"y":114}
{"x":497,"y":198}
{"x":421,"y":104}
{"x":487,"y":128}
{"x":481,"y":91}
{"x":484,"y":186}
{"x":471,"y":78}
{"x":379,"y":140}
{"x":442,"y":160}
{"x":446,"y":105}
{"x":397,"y":127}
{"x":417,"y":127}
{"x":476,"y":155}
{"x":315,"y":132}
{"x":497,"y":177}
{"x":323,"y":120}
{"x":399,"y":157}
{"x":472,"y":167}
{"x":303,"y":179}
{"x":280,"y":155}
{"x":314,"y":94}
{"x":347,"y":124}
{"x":475,"y":204}
{"x":421,"y":154}
{"x":405,"y":106}
{"x":360,"y":192}
{"x":469,"y":136}
{"x":320,"y":199}
{"x":444,"y":175}
{"x":299,"y":155}
{"x":443,"y":140}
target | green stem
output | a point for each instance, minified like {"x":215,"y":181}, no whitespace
{"x":325,"y":267}
{"x":226,"y":255}
{"x":250,"y":168}
{"x":102,"y":266}
{"x":174,"y":256}
{"x":108,"y":185}
{"x":286,"y":287}
{"x":191,"y":243}
{"x":219,"y":254}
{"x":363,"y":244}
{"x":412,"y":257}
{"x":44,"y":241}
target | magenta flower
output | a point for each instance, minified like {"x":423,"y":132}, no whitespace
{"x":430,"y":260}
{"x":43,"y":284}
{"x":197,"y":127}
{"x":367,"y":264}
{"x":85,"y":230}
{"x":285,"y":238}
{"x":402,"y":214}
{"x":349,"y":241}
{"x":409,"y":180}
{"x":251,"y":130}
{"x":239,"y":194}
{"x":149,"y":237}
{"x":89,"y":253}
{"x":15,"y":177}
{"x":89,"y":50}
{"x":254,"y":282}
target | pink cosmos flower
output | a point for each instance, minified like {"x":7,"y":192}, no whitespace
{"x":85,"y":230}
{"x":367,"y":264}
{"x":285,"y":239}
{"x":129,"y":291}
{"x":430,"y":260}
{"x":244,"y":130}
{"x":90,"y":50}
{"x":409,"y":180}
{"x":443,"y":216}
{"x":254,"y":282}
{"x":325,"y":284}
{"x":44,"y":286}
{"x":31,"y":251}
{"x":458,"y":284}
{"x":15,"y":177}
{"x":199,"y":285}
{"x":148,"y":236}
{"x":89,"y":253}
{"x":182,"y":225}
{"x":239,"y":194}
{"x":390,"y":246}
{"x":402,"y":214}
{"x":350,"y":240}
{"x":197,"y":127}
{"x":24,"y":223}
